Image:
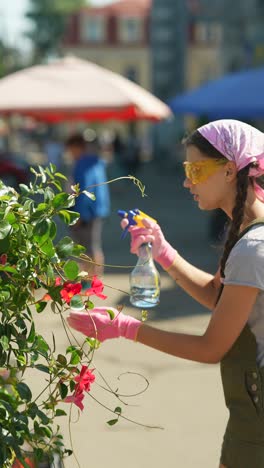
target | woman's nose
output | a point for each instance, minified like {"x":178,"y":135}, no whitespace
{"x":187,"y":183}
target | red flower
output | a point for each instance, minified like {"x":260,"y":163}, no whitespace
{"x":76,"y":399}
{"x":69,"y":290}
{"x":84,"y":379}
{"x":96,"y":288}
{"x":3,"y":259}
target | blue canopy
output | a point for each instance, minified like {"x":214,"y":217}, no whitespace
{"x":236,"y":95}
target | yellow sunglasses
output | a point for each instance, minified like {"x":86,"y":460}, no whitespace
{"x":199,"y":171}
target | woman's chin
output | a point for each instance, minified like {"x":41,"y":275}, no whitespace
{"x":204,"y":206}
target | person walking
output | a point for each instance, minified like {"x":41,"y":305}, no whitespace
{"x":90,"y":173}
{"x":223,"y":167}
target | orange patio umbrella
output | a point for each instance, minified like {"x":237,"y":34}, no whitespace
{"x":75,"y":89}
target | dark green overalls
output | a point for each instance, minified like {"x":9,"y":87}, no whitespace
{"x":243,"y":383}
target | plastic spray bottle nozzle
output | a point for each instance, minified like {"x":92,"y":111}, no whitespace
{"x":134,"y":217}
{"x":122,"y":213}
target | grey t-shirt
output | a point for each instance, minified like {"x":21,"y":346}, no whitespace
{"x":245,"y":266}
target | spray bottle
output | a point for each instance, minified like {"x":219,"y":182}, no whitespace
{"x":144,"y":278}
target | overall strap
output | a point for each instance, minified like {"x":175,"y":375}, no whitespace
{"x":250,"y":225}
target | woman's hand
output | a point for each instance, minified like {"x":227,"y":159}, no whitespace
{"x":97,"y":323}
{"x":162,"y":251}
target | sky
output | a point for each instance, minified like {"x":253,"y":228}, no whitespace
{"x":13,"y":23}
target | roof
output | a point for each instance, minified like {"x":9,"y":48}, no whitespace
{"x":122,"y":8}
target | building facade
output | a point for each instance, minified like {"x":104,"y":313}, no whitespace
{"x":115,"y":36}
{"x":169,"y":46}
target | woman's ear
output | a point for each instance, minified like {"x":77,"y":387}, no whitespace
{"x":230,"y":171}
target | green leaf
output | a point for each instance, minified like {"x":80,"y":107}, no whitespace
{"x":118,"y":410}
{"x":71,"y":270}
{"x":24,"y":391}
{"x":4,"y":342}
{"x":50,"y":272}
{"x":10,"y":218}
{"x":75,"y":358}
{"x":53,"y":230}
{"x":60,"y":200}
{"x":48,"y":248}
{"x":70,"y":349}
{"x":112,"y":422}
{"x":42,"y":368}
{"x":78,"y":249}
{"x":4,"y":245}
{"x":48,"y":194}
{"x":93,"y":342}
{"x":60,"y":412}
{"x":25,"y":190}
{"x":5,"y":229}
{"x":4,"y":295}
{"x":43,"y":175}
{"x":40,"y":306}
{"x":52,"y":168}
{"x":63,"y":390}
{"x":39,"y":454}
{"x":111,"y":314}
{"x":32,"y":410}
{"x":42,"y":207}
{"x":41,"y":230}
{"x":62,"y":360}
{"x":90,"y":195}
{"x":32,"y":334}
{"x":72,"y":385}
{"x":21,"y":359}
{"x":43,"y":417}
{"x":61,"y":176}
{"x":69,"y":217}
{"x":64,"y":247}
{"x":7,"y":268}
{"x":41,"y":345}
{"x":89,"y":304}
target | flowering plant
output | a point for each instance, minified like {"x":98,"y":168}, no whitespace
{"x":35,"y":270}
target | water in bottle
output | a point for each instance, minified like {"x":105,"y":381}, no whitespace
{"x":145,"y":280}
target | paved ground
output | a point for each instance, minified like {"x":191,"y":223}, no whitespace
{"x":184,"y":398}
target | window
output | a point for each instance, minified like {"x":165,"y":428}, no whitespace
{"x":93,"y":29}
{"x":130,"y":29}
{"x":210,"y":33}
{"x":161,"y":13}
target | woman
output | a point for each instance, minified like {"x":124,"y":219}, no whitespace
{"x":223,"y":162}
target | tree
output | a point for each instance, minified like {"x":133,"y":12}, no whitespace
{"x":11,"y":59}
{"x":49,"y":18}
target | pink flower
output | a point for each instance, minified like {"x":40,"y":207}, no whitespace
{"x":83,"y":383}
{"x":76,"y":399}
{"x":84,"y":379}
{"x":96,"y":288}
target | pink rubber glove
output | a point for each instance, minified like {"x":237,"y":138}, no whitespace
{"x":96,"y":323}
{"x":162,"y":251}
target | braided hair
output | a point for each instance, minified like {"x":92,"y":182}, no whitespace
{"x":242,"y":183}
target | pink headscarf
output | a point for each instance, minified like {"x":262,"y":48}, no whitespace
{"x":240,"y":143}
